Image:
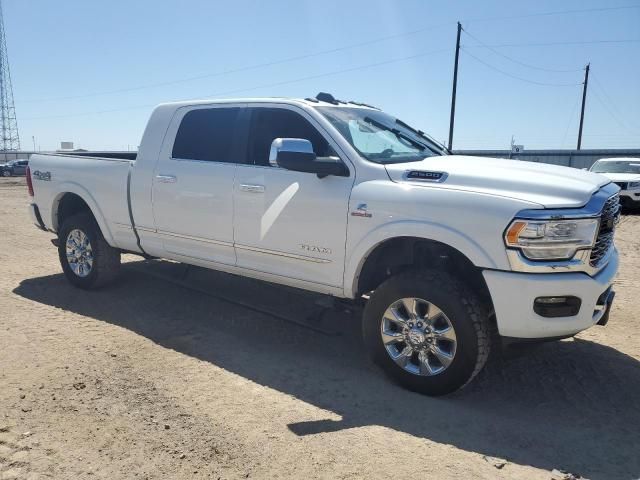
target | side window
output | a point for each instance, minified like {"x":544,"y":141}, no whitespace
{"x":207,"y":134}
{"x":267,"y":124}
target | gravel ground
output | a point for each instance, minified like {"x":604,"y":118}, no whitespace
{"x":178,"y":373}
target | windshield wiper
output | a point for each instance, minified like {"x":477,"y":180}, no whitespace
{"x":423,"y":135}
{"x":396,"y":132}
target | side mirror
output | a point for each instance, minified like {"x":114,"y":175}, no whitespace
{"x":297,"y":154}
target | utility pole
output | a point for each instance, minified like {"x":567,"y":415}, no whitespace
{"x":455,"y":84}
{"x":584,"y":100}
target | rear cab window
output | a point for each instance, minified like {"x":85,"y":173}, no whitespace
{"x":208,"y":134}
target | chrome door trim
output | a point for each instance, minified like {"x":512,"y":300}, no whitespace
{"x":283,"y":254}
{"x":196,"y":239}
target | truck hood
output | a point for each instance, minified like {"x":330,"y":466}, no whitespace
{"x":622,"y":177}
{"x":550,"y":186}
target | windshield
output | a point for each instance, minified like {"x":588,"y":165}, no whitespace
{"x":379,"y":137}
{"x":622,"y":166}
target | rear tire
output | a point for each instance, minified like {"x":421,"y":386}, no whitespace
{"x":6,"y":173}
{"x":440,"y":346}
{"x":90,"y":263}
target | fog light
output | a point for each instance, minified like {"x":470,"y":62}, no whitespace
{"x":552,"y":307}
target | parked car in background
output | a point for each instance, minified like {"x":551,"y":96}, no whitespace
{"x":625,"y":172}
{"x":14,"y":167}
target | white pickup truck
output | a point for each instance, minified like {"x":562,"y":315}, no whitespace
{"x":449,"y":252}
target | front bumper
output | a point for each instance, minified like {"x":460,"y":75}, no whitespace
{"x":630,"y":198}
{"x":513,"y":296}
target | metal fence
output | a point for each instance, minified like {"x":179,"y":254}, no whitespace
{"x":567,"y":158}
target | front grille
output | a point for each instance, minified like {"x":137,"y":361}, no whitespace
{"x":608,"y":220}
{"x":622,"y":185}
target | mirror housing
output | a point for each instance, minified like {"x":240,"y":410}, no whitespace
{"x":297,"y":154}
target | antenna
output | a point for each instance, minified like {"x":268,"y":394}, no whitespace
{"x":9,"y":138}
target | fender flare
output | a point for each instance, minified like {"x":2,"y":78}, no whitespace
{"x":83,"y":193}
{"x":460,"y":241}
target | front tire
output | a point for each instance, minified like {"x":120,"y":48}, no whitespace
{"x":87,"y":260}
{"x":6,"y":173}
{"x":427,"y":331}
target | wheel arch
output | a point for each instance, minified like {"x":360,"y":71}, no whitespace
{"x":405,"y":246}
{"x":74,"y":199}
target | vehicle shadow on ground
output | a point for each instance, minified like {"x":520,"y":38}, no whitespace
{"x":570,"y":405}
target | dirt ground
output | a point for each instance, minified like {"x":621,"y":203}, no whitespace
{"x":181,"y":373}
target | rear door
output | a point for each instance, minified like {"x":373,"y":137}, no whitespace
{"x":287,"y":223}
{"x":193,"y":181}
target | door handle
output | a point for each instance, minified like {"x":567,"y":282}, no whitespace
{"x":166,"y":178}
{"x":251,"y":188}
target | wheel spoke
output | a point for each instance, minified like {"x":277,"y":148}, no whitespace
{"x":402,"y":358}
{"x":411,"y":306}
{"x":390,"y":338}
{"x":445,"y":333}
{"x":393,"y":315}
{"x":425,"y":367}
{"x":433,"y":313}
{"x":445,"y":358}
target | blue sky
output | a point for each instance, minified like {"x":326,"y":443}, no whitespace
{"x":399,"y":57}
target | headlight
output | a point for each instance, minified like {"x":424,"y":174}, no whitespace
{"x":634,"y":184}
{"x":551,"y":239}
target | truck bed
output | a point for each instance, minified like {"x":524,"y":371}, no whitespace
{"x":101,"y":179}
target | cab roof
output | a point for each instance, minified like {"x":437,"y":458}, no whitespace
{"x":321,"y":98}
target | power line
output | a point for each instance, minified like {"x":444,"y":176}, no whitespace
{"x":610,"y":112}
{"x":614,"y":111}
{"x":257,"y":87}
{"x":244,"y":68}
{"x":549,"y":44}
{"x":556,"y":12}
{"x":511,"y":59}
{"x":343,"y":48}
{"x":535,"y":82}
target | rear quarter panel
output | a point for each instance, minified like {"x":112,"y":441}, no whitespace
{"x":101,"y":183}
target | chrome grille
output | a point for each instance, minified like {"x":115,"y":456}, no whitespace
{"x":608,"y":220}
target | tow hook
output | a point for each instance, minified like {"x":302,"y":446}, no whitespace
{"x":609,"y":295}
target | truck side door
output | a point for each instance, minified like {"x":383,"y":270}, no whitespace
{"x":192,"y":191}
{"x":287,"y":223}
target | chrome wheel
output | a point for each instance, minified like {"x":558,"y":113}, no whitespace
{"x":418,"y":336}
{"x":79,"y":253}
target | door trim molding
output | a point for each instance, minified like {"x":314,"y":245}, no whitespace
{"x":245,"y":247}
{"x":283,"y":254}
